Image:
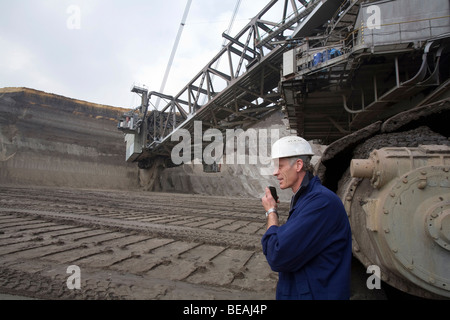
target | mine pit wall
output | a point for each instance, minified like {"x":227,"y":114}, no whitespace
{"x":233,"y":180}
{"x":50,"y":140}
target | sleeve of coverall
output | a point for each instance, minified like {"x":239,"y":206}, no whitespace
{"x":302,"y":237}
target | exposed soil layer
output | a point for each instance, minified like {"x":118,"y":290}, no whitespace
{"x":46,"y":139}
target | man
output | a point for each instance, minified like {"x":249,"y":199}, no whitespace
{"x":312,"y":251}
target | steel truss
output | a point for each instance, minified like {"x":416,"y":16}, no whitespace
{"x":242,"y":91}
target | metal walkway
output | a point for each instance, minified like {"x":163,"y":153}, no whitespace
{"x":352,"y":74}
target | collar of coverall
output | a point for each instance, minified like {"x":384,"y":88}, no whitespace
{"x":308,"y":176}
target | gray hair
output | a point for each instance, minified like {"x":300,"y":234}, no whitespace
{"x":307,"y":166}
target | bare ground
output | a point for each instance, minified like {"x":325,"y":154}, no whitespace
{"x":131,"y":245}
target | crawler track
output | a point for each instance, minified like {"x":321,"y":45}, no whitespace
{"x":131,"y":245}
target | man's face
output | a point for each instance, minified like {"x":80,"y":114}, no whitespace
{"x":286,"y":173}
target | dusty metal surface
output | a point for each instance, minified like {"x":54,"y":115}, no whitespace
{"x":370,"y":61}
{"x":400,"y":217}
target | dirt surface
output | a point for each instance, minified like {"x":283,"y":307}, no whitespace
{"x":131,"y":245}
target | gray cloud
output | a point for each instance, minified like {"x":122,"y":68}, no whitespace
{"x":117,"y":43}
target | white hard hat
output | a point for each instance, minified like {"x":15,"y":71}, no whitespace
{"x":291,"y":146}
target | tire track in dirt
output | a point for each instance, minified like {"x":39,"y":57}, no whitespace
{"x":131,"y":245}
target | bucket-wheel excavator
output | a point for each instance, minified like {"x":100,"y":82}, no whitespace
{"x":369,"y":79}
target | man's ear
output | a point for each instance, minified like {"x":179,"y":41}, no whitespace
{"x":299,"y":165}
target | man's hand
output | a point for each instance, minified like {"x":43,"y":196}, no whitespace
{"x":269,"y":202}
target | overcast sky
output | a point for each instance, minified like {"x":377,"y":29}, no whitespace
{"x":95,"y":50}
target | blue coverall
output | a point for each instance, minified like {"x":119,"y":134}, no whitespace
{"x":312,"y":250}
